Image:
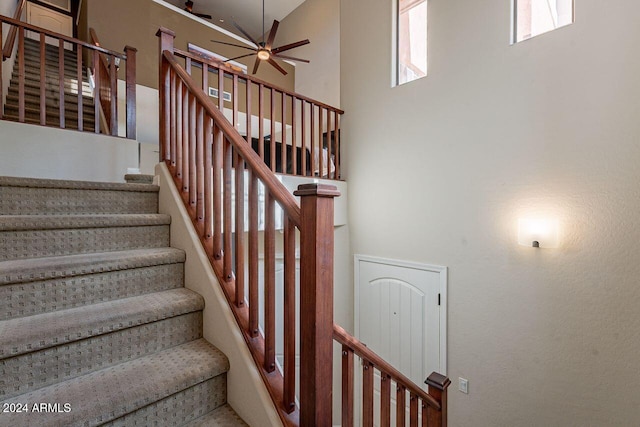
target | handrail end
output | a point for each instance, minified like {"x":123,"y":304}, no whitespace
{"x":438,"y":381}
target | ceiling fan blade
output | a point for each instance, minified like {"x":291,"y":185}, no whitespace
{"x":235,"y":24}
{"x":256,"y":65}
{"x":202,"y":15}
{"x":292,"y":58}
{"x":272,"y":34}
{"x":277,"y":66}
{"x":235,"y":45}
{"x":290,"y":46}
{"x":238,"y":57}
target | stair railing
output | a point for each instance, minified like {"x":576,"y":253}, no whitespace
{"x":225,"y":185}
{"x":13,"y":32}
{"x":63,"y":87}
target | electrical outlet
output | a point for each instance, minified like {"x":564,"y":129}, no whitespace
{"x":463,"y":385}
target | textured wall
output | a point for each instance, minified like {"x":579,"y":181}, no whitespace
{"x":440,"y":170}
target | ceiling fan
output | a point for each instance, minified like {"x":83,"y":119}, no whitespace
{"x":264,"y":49}
{"x":188,"y":6}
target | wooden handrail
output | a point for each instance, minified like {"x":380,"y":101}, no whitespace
{"x":284,"y":198}
{"x":13,"y":31}
{"x":344,"y":338}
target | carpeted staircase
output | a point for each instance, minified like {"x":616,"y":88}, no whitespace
{"x":96,"y":327}
{"x":52,"y":86}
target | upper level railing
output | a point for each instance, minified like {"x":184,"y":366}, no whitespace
{"x":53,"y":78}
{"x":293,"y":134}
{"x":231,"y":195}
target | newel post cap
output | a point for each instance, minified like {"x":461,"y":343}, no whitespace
{"x":438,"y":381}
{"x":315,"y":189}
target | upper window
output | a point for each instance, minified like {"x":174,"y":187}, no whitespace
{"x":534,"y":17}
{"x":411,"y":39}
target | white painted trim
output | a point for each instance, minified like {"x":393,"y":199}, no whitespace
{"x":203,"y":22}
{"x":441,"y":270}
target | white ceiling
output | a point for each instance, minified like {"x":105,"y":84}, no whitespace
{"x":247,"y":13}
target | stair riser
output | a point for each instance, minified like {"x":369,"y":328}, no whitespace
{"x":28,"y":372}
{"x":53,"y":68}
{"x":43,"y":201}
{"x":40,"y":243}
{"x":33,"y":100}
{"x":27,"y":299}
{"x":180,"y":408}
{"x":52,"y":85}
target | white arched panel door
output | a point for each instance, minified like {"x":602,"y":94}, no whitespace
{"x":401,"y":315}
{"x":50,"y":20}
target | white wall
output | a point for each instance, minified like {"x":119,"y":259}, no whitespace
{"x":318,"y":21}
{"x":43,"y":152}
{"x":440,"y":170}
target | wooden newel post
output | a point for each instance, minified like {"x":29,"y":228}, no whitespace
{"x":166,"y":38}
{"x":131,"y":91}
{"x":438,"y":385}
{"x":316,"y":303}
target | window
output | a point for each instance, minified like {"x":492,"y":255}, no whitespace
{"x":411,"y":36}
{"x":534,"y":17}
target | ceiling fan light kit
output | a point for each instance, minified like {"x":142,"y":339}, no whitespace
{"x":263,"y":50}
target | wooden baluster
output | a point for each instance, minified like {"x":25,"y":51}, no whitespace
{"x":239,"y":231}
{"x":193,"y":184}
{"x":43,"y":81}
{"x":347,"y":386}
{"x":294,"y":136}
{"x":272,"y":138}
{"x":269,"y":283}
{"x":165,"y":42}
{"x":438,"y":385}
{"x":185,"y":140}
{"x":175,"y":102}
{"x":227,"y":164}
{"x":96,"y":90}
{"x":260,"y":121}
{"x":21,"y":75}
{"x":131,"y":92}
{"x":424,"y":415}
{"x":304,"y":138}
{"x":248,"y":111}
{"x":337,"y":146}
{"x":316,"y":303}
{"x":385,"y":399}
{"x":113,"y":80}
{"x":218,"y":140}
{"x":221,"y":89}
{"x":313,"y":140}
{"x":61,"y":81}
{"x":79,"y":82}
{"x":320,"y":145}
{"x":208,"y":177}
{"x":289,"y":339}
{"x":283,"y":146}
{"x":253,"y":254}
{"x":179,"y":124}
{"x":401,"y":405}
{"x":200,"y":141}
{"x":367,"y":394}
{"x":205,"y":78}
{"x":413,"y":410}
{"x":329,"y":143}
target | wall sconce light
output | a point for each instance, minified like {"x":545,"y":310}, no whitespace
{"x":538,"y":233}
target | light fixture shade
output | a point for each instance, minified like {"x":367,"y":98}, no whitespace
{"x":539,"y":232}
{"x":263,"y":54}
